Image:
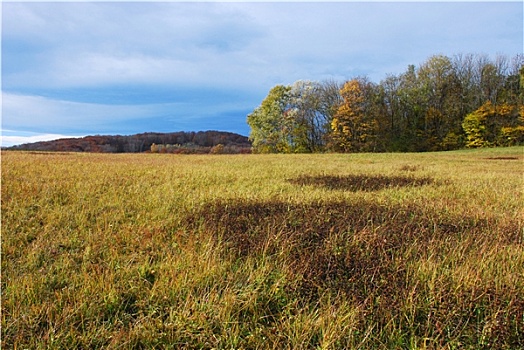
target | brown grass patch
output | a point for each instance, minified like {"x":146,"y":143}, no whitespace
{"x":364,"y":251}
{"x":354,"y":183}
{"x":349,"y":248}
{"x":50,"y":153}
{"x":411,"y":168}
{"x":502,"y":158}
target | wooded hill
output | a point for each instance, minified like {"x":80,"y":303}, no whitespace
{"x":175,"y":142}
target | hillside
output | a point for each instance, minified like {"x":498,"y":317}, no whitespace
{"x":175,"y":142}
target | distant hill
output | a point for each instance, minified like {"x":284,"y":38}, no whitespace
{"x":175,"y":142}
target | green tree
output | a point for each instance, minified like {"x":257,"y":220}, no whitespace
{"x":390,"y":110}
{"x":399,"y":106}
{"x":442,"y":91}
{"x":269,"y":127}
{"x":294,"y":118}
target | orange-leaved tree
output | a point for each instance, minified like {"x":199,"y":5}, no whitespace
{"x":353,"y":128}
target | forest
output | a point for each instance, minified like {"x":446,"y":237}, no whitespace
{"x":175,"y":142}
{"x":445,"y":103}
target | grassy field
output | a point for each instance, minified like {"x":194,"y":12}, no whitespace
{"x":358,"y":251}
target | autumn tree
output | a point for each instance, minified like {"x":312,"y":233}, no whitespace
{"x":492,"y":125}
{"x":353,"y":128}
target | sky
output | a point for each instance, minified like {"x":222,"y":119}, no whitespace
{"x":72,"y":69}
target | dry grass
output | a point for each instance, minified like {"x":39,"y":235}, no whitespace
{"x":373,"y":251}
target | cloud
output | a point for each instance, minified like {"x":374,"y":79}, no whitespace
{"x":239,"y":44}
{"x":37,"y":113}
{"x":122,"y":43}
{"x":379,"y":38}
{"x":40,"y":113}
{"x":21,"y":137}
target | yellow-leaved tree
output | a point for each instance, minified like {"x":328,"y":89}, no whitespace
{"x":353,"y":128}
{"x":494,"y":125}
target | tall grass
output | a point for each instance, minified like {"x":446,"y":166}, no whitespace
{"x":371,"y":251}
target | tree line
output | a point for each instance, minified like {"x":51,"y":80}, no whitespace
{"x":174,"y":142}
{"x":445,"y":103}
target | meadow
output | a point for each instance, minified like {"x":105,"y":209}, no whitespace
{"x":322,"y":251}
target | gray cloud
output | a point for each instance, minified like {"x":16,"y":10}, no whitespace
{"x":74,"y":44}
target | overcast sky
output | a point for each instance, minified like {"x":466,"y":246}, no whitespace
{"x":75,"y":69}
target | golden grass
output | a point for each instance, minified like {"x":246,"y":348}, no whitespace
{"x":330,"y":251}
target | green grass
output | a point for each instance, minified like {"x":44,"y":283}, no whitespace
{"x":330,"y":251}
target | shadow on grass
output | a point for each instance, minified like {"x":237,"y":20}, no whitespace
{"x":351,"y":248}
{"x":354,"y":183}
{"x":362,"y":251}
{"x":502,"y":158}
